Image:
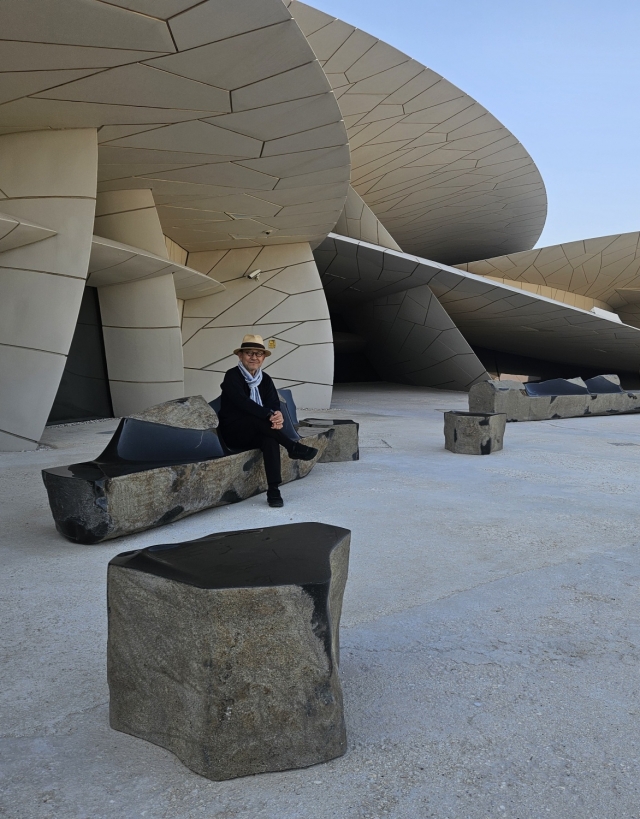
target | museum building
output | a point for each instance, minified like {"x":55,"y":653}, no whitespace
{"x":177,"y":173}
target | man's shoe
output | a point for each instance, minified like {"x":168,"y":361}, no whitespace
{"x":301,"y":452}
{"x":274,"y":498}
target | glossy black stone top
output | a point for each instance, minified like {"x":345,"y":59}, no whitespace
{"x":140,"y":445}
{"x":599,"y":385}
{"x":474,"y":414}
{"x":326,"y":422}
{"x":556,"y":386}
{"x":292,"y":554}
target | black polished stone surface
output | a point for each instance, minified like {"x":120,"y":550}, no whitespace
{"x":600,"y":385}
{"x":327,"y":422}
{"x":146,"y":442}
{"x":556,"y":386}
{"x":295,"y":554}
{"x":473,"y":414}
{"x":286,"y":396}
{"x":140,"y":445}
{"x":292,"y":554}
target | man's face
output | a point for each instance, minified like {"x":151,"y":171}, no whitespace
{"x":252,"y":360}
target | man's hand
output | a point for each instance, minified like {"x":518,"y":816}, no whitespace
{"x":277,"y":421}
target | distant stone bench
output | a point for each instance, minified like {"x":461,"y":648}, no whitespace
{"x":160,"y":466}
{"x":225,"y":649}
{"x":558,"y":398}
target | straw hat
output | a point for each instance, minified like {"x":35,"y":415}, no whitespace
{"x":250,"y":342}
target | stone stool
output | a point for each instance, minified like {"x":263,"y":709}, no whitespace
{"x":474,"y":433}
{"x":343,"y":443}
{"x":225,"y":649}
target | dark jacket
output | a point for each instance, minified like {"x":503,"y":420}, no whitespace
{"x":235,"y":403}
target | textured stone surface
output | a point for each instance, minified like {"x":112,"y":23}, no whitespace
{"x":343,"y":444}
{"x":511,"y":398}
{"x":192,"y":412}
{"x":440,"y":690}
{"x":468,"y":433}
{"x":225,"y":650}
{"x":96,"y":508}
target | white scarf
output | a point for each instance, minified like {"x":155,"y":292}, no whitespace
{"x":253,"y":382}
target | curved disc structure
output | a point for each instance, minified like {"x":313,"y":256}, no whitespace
{"x":443,"y":175}
{"x":220,"y":109}
{"x":602,"y":272}
{"x":483,"y":313}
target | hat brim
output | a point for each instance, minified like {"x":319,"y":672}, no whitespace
{"x":255,"y":349}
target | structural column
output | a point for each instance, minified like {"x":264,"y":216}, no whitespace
{"x":140,"y":320}
{"x":48,"y":182}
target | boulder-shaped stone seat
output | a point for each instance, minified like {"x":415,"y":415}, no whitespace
{"x":161,"y":465}
{"x":474,"y":433}
{"x":225,"y":649}
{"x":343,"y":445}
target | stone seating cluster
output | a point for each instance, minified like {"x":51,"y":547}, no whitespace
{"x":225,"y":649}
{"x":169,"y":462}
{"x":558,"y":398}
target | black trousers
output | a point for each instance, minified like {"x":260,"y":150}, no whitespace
{"x":255,"y":433}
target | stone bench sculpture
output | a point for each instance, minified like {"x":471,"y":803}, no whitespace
{"x":559,"y":398}
{"x":474,"y":433}
{"x":224,"y":650}
{"x":343,"y":445}
{"x":160,"y":466}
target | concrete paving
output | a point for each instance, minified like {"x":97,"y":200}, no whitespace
{"x":491,"y":631}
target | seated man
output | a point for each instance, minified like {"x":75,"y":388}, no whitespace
{"x":250,"y":416}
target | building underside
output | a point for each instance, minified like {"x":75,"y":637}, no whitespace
{"x":176,"y":174}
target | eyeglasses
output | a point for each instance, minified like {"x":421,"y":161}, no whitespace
{"x":253,"y":355}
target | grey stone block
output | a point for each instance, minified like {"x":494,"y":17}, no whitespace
{"x":510,"y":397}
{"x":343,"y":443}
{"x":224,"y":650}
{"x":192,"y":412}
{"x":89,"y":506}
{"x":474,"y":433}
{"x":161,"y":465}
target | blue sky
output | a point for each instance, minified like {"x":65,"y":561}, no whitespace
{"x":562,"y":75}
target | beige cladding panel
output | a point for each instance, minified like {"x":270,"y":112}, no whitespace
{"x":161,"y":90}
{"x":424,"y":152}
{"x":141,"y":329}
{"x":49,"y":178}
{"x":597,"y":270}
{"x":286,"y":305}
{"x":130,"y":217}
{"x":140,"y":318}
{"x":358,"y":221}
{"x":143,"y":356}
